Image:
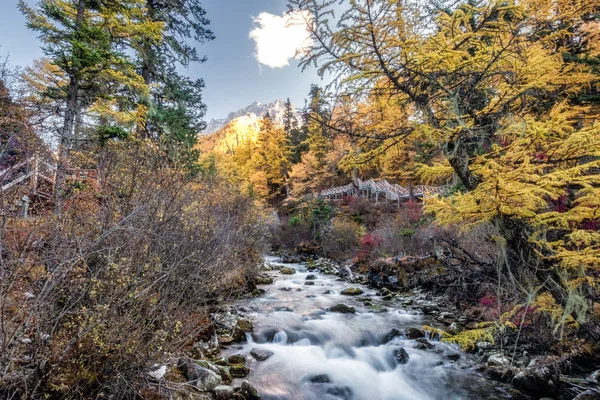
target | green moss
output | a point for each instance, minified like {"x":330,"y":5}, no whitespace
{"x":466,"y":340}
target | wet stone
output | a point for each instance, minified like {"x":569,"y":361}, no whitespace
{"x":321,"y":378}
{"x":239,"y":371}
{"x":401,"y":355}
{"x":261,"y":355}
{"x":341,"y":392}
{"x":352,"y":291}
{"x":237,"y":359}
{"x":424,"y":344}
{"x":342,"y":308}
{"x":413,"y":333}
{"x":223,"y":392}
{"x":249,"y":391}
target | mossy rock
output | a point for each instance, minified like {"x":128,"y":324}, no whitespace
{"x":237,"y":359}
{"x":352,"y":291}
{"x":225,"y":374}
{"x":239,"y":371}
{"x":342,"y":308}
{"x":222,"y":362}
{"x":242,"y":326}
{"x":377,"y":308}
{"x":264,"y":280}
{"x":287,"y":271}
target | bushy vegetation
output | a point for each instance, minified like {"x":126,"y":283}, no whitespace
{"x":129,"y":244}
{"x":125,"y":277}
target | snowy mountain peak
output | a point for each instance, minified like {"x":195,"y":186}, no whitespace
{"x":275,"y":109}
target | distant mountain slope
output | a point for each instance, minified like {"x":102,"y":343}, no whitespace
{"x":240,"y":127}
{"x":275,"y":109}
{"x":240,"y":130}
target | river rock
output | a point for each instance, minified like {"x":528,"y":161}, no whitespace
{"x":309,"y":283}
{"x":424,"y":344}
{"x":204,"y":379}
{"x":225,"y":339}
{"x":311,"y":277}
{"x":341,"y":392}
{"x":222,"y":362}
{"x":261,"y":355}
{"x":321,"y":378}
{"x":401,"y":355}
{"x":342,"y":308}
{"x":413,"y":333}
{"x":264,"y":280}
{"x":498,"y":360}
{"x":287,"y":271}
{"x":249,"y":391}
{"x":540,"y":378}
{"x":239,"y":371}
{"x":346,"y":273}
{"x":237,"y":359}
{"x":428,"y":309}
{"x":224,"y":320}
{"x":329,"y":292}
{"x":352,"y":291}
{"x":223,"y":392}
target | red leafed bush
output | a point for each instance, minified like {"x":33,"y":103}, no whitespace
{"x":368,"y":244}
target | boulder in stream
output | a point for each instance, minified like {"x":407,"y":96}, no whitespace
{"x":414,"y":333}
{"x":261,"y":355}
{"x":342,"y":308}
{"x":287,"y":271}
{"x":321,"y":378}
{"x":401,"y":355}
{"x":239,"y":371}
{"x":237,"y":359}
{"x":311,"y":277}
{"x":352,"y":291}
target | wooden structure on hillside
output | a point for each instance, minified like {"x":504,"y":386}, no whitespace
{"x":380,"y":191}
{"x":29,"y":180}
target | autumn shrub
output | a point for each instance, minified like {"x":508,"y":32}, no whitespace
{"x":125,"y":277}
{"x":341,"y":239}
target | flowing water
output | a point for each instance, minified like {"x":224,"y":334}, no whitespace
{"x":322,"y":355}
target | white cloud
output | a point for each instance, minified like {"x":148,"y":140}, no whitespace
{"x":279,"y":38}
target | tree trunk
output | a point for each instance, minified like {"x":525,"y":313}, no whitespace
{"x":66,"y":133}
{"x":458,"y":157}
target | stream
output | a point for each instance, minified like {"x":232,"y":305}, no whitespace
{"x":317,"y":354}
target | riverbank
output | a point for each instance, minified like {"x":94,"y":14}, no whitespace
{"x":318,"y":330}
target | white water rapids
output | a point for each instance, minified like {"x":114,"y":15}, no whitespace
{"x":322,"y":355}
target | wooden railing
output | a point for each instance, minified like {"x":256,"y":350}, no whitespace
{"x":380,"y":191}
{"x":32,"y":168}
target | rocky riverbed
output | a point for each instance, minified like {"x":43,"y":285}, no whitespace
{"x":317,"y":331}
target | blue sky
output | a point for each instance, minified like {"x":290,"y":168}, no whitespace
{"x":233,"y":75}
